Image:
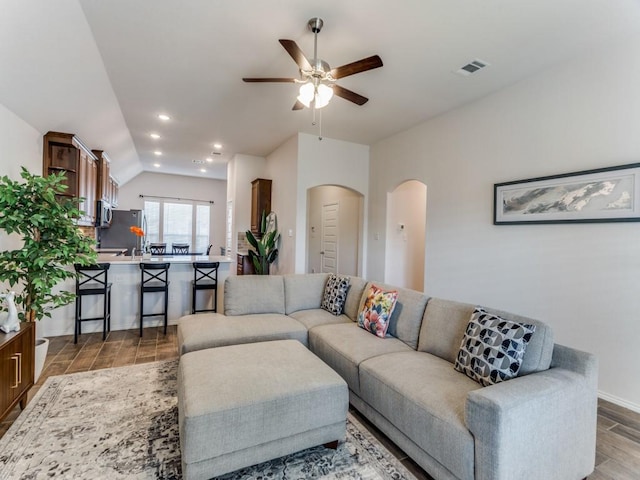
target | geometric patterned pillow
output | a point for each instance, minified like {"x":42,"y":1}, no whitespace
{"x":376,"y":310}
{"x":335,"y":293}
{"x":492,"y":348}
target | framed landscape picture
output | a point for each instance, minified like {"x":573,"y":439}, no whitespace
{"x":604,"y":195}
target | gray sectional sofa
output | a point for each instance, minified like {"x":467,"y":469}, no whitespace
{"x":540,"y":425}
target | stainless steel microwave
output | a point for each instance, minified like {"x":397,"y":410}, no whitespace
{"x":105,"y":214}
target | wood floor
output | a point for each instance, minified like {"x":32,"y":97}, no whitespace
{"x":618,"y":437}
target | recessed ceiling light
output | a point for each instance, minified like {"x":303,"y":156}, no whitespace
{"x":203,"y":170}
{"x":157,"y":165}
{"x":217,"y":146}
{"x":164,"y":117}
{"x":157,"y":152}
{"x":155,"y":136}
{"x":209,"y":159}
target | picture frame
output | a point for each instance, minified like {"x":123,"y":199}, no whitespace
{"x":610,"y":194}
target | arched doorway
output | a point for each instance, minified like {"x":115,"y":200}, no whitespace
{"x":405,"y":235}
{"x":335,"y":216}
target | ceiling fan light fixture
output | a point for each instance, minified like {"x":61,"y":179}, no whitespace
{"x":323,"y":95}
{"x":307,"y":92}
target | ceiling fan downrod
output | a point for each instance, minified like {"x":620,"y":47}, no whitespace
{"x":315,"y":25}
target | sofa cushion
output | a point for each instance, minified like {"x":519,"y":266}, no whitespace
{"x":376,"y":309}
{"x":425,"y":399}
{"x":407,"y":315}
{"x":354,"y":295}
{"x":246,"y":294}
{"x":210,"y":330}
{"x":344,"y":346}
{"x":445,"y":322}
{"x":303,"y":291}
{"x":492,"y":348}
{"x":335,"y":294}
{"x":317,"y":316}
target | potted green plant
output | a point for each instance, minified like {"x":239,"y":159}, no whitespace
{"x":265,"y":245}
{"x":37,"y":210}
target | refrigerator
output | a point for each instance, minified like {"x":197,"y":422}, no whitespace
{"x":119,"y":235}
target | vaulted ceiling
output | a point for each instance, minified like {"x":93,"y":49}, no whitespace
{"x":106,"y":69}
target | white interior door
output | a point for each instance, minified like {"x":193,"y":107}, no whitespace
{"x":329,"y":252}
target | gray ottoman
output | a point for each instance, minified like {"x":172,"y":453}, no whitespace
{"x":244,"y":404}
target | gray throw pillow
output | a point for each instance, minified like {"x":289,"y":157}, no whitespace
{"x":492,"y":348}
{"x":335,"y":293}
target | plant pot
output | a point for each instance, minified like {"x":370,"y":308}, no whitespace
{"x":42,"y":347}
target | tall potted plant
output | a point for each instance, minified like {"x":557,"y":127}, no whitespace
{"x":37,"y":210}
{"x":265,"y":245}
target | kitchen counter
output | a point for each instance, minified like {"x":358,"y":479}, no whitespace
{"x":124,"y":276}
{"x":127,"y":260}
{"x":112,"y":251}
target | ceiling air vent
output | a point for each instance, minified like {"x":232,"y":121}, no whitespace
{"x":472,"y":67}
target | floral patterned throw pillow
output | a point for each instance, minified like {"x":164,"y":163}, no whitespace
{"x":376,"y":309}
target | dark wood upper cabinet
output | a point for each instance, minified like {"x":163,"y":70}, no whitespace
{"x":107,"y":186}
{"x":260,"y":202}
{"x":64,"y":152}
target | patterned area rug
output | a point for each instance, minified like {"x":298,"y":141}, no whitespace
{"x":122,"y":423}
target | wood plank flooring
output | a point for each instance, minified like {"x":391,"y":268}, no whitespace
{"x":618,"y":435}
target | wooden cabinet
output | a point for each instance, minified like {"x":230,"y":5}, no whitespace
{"x":64,"y":152}
{"x":112,"y":197}
{"x":17,"y":351}
{"x":107,"y":187}
{"x":260,"y":202}
{"x":245,"y":266}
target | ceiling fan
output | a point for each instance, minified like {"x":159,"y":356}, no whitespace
{"x":317,"y":78}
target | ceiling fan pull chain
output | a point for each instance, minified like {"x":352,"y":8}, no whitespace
{"x":320,"y":135}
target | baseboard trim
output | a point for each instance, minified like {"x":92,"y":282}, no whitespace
{"x":619,"y":401}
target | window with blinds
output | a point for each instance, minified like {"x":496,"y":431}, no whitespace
{"x":171,"y":221}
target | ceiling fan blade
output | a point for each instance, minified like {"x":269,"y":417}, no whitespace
{"x":278,"y":80}
{"x":349,"y":95}
{"x":292,"y":49}
{"x":298,"y":105}
{"x":363,"y":65}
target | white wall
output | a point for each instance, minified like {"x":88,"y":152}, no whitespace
{"x":581,"y":279}
{"x":179,"y":186}
{"x":327,"y":162}
{"x":282,"y":169}
{"x":241,"y":171}
{"x":405,"y":235}
{"x":20,"y":145}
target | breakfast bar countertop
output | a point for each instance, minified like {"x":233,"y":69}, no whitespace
{"x":127,"y":260}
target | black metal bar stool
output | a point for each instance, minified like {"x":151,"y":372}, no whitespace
{"x":154,"y":277}
{"x":205,"y":277}
{"x":180,"y":248}
{"x":158,"y":248}
{"x":93,"y":280}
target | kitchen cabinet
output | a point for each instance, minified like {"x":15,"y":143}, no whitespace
{"x":244,"y":266}
{"x":64,"y":152}
{"x":260,"y":202}
{"x":107,"y":187}
{"x":113,"y":192}
{"x":17,"y":352}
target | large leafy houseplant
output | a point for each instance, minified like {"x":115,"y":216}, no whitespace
{"x":265,"y":245}
{"x":36,"y":210}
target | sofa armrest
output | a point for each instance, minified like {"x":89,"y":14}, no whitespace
{"x":541,"y":425}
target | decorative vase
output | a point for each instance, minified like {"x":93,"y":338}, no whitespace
{"x":42,"y":347}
